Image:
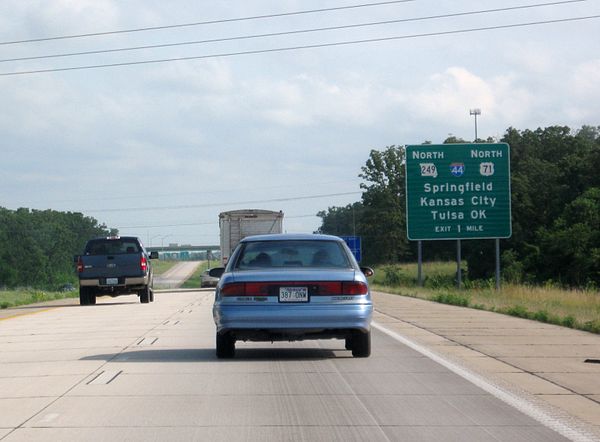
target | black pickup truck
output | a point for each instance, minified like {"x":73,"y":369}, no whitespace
{"x":114,"y":266}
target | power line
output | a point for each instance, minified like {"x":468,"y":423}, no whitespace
{"x":295,"y":48}
{"x":200,"y":223}
{"x":179,"y":194}
{"x":197,"y":206}
{"x":294,"y":32}
{"x":210,"y":22}
{"x":190,"y":224}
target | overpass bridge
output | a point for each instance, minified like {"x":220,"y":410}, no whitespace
{"x":182,"y":247}
{"x":187,"y":252}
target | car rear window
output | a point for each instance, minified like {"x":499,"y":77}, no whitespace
{"x":112,"y":247}
{"x":279,"y":254}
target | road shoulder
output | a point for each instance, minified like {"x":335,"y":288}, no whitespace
{"x":542,"y":361}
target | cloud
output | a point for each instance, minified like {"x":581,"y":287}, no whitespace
{"x":584,"y":92}
{"x":62,"y":16}
{"x":21,"y":20}
{"x":531,"y":58}
{"x":208,"y":76}
{"x":256,"y":125}
{"x":313,"y":100}
{"x":446,"y":98}
{"x":447,"y":95}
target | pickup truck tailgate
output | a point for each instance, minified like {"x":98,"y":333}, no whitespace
{"x":111,"y":266}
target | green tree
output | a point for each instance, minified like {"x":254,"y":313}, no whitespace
{"x":341,"y":221}
{"x":570,"y":249}
{"x":37,"y":247}
{"x":550,"y":169}
{"x":555,"y":209}
{"x":452,"y":139}
{"x":383,"y":223}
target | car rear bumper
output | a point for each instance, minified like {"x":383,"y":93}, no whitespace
{"x":123,"y":282}
{"x":293,"y":320}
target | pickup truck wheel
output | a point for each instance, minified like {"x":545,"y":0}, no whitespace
{"x":145,"y":295}
{"x":91,"y":297}
{"x":151,"y":295}
{"x":83,"y":296}
{"x":225,"y":346}
{"x":361,"y":345}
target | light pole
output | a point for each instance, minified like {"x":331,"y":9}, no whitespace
{"x":162,"y":241}
{"x":475,"y":112}
{"x":150,"y":240}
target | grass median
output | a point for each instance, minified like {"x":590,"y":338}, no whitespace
{"x":25,"y":296}
{"x":194,"y":281}
{"x":579,"y":309}
{"x":160,"y":266}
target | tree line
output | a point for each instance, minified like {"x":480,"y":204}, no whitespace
{"x":555,"y":183}
{"x":37,"y":246}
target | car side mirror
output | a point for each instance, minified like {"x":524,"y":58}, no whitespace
{"x":216,"y":272}
{"x":153,"y":255}
{"x":368,"y":271}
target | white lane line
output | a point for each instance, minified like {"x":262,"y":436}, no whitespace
{"x":105,"y":377}
{"x":548,"y":418}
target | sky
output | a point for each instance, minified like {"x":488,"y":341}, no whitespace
{"x":158,"y":149}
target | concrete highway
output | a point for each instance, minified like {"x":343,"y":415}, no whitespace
{"x":121,"y":370}
{"x":176,"y":275}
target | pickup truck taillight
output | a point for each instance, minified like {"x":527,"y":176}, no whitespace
{"x":79,"y":265}
{"x":143,"y":264}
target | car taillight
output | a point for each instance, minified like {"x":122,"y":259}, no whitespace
{"x":257,"y":288}
{"x":328,"y":288}
{"x":143,"y":263}
{"x":354,"y":288}
{"x":316,"y":288}
{"x":234,"y":289}
{"x":79,"y":265}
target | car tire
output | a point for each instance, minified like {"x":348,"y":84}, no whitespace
{"x":348,"y":344}
{"x":91,"y":297}
{"x":151,"y":295}
{"x":361,"y":345}
{"x":83,"y":296}
{"x":225,"y":346}
{"x":145,"y":295}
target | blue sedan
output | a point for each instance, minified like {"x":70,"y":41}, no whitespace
{"x":292,"y":287}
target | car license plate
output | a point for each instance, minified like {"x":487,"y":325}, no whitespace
{"x":293,"y":294}
{"x":112,"y":281}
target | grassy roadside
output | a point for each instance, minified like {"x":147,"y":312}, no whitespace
{"x":25,"y":296}
{"x":160,"y":266}
{"x":14,"y":298}
{"x":193,"y":282}
{"x":579,"y":309}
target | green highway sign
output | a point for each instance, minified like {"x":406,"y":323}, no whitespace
{"x":458,"y":191}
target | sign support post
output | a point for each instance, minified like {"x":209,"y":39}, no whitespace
{"x":497,"y":264}
{"x":420,"y":263}
{"x":458,"y":261}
